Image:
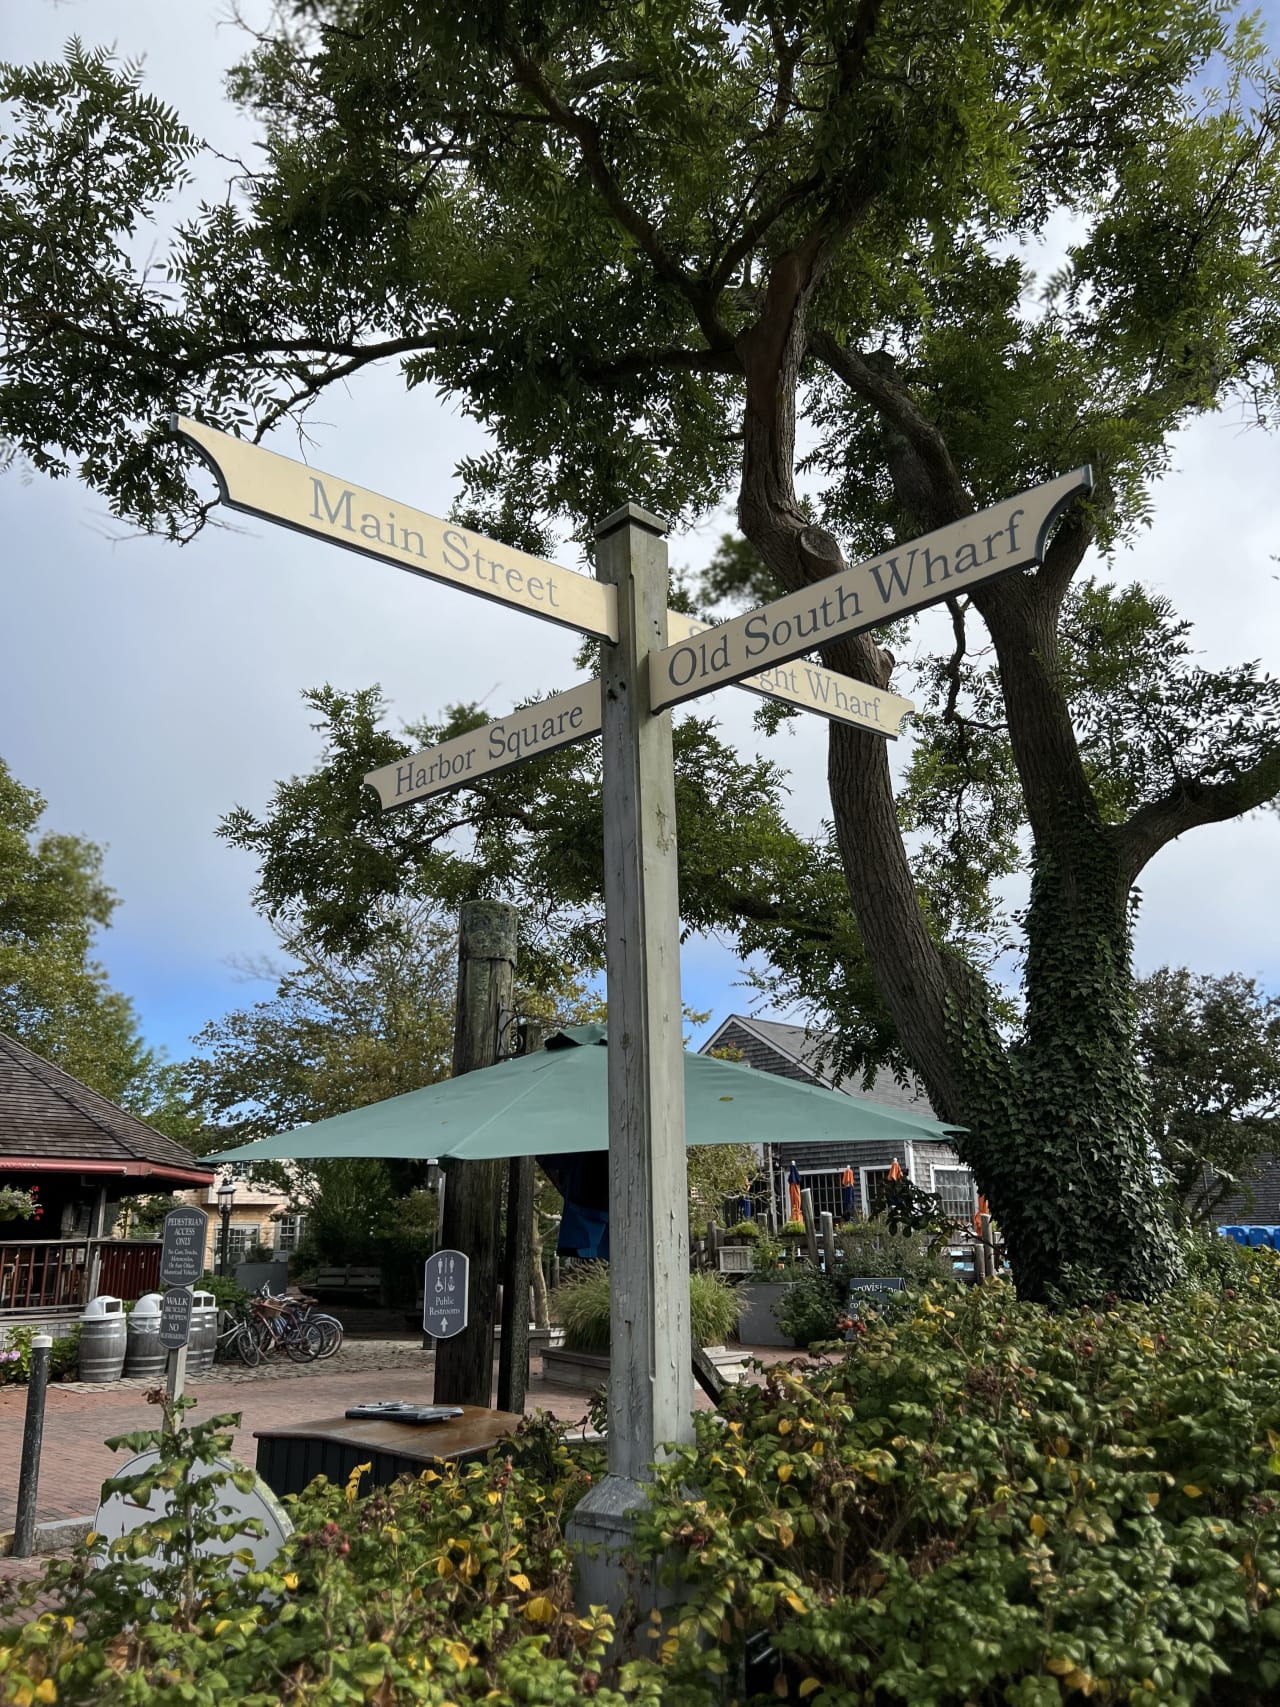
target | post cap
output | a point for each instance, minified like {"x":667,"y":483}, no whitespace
{"x":632,"y":513}
{"x":41,"y":1342}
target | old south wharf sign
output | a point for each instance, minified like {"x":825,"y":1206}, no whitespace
{"x":574,"y":716}
{"x":1010,"y":535}
{"x":263,"y":483}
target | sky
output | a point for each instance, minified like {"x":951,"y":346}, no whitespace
{"x":146,"y":689}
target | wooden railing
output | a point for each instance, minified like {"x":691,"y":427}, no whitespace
{"x":49,"y":1276}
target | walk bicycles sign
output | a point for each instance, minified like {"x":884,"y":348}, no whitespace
{"x":444,"y":1295}
{"x":175,"y":1317}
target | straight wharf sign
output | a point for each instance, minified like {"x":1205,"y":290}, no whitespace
{"x":1010,"y":535}
{"x":263,"y":483}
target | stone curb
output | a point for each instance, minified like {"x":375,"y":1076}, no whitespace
{"x":50,"y":1537}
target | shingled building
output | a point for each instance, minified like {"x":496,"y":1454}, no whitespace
{"x":82,"y":1154}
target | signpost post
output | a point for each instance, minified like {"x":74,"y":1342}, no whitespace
{"x":181,"y":1265}
{"x":654,"y":659}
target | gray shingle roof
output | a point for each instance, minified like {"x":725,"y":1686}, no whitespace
{"x":46,"y":1115}
{"x":803,"y":1050}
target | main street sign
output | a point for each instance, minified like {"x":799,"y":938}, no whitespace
{"x":263,"y":483}
{"x":1010,"y":535}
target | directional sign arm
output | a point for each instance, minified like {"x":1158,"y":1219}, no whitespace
{"x":1010,"y":535}
{"x":263,"y":483}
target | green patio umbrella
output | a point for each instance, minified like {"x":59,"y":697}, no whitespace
{"x":555,"y":1102}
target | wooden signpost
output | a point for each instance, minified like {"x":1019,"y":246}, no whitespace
{"x":654,"y":659}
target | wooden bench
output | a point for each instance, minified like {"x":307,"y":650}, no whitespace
{"x":349,"y":1279}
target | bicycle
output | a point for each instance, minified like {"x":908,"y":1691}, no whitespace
{"x":240,"y":1340}
{"x":275,"y":1327}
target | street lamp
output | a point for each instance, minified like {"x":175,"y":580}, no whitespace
{"x":226,"y":1197}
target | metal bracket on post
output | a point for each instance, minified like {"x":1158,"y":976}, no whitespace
{"x":651,"y":1383}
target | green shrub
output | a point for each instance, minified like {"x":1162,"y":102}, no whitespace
{"x":991,"y":1503}
{"x":714,"y":1308}
{"x":743,"y":1230}
{"x":581,"y":1304}
{"x":227,"y":1291}
{"x":878,"y":1247}
{"x":793,"y":1230}
{"x":452,"y":1588}
{"x":813,"y":1307}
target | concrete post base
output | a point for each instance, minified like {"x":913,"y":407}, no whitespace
{"x":600,"y":1535}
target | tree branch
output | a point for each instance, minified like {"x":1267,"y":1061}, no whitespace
{"x":637,"y":225}
{"x":1191,"y":804}
{"x":941,"y":497}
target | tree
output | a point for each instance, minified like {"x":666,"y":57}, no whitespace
{"x":1210,"y":1049}
{"x":641,"y":244}
{"x":53,"y":996}
{"x":340,"y":1031}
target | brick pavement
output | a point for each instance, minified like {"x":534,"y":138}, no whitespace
{"x":78,"y":1417}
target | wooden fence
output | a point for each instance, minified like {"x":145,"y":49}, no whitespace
{"x":59,"y":1276}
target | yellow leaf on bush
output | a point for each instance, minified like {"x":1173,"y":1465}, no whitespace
{"x":46,"y":1690}
{"x":794,"y":1601}
{"x":290,"y":1579}
{"x":784,"y":1425}
{"x":520,"y":1581}
{"x":786,"y":1534}
{"x":1059,"y":1665}
{"x":808,"y":1687}
{"x":459,"y":1653}
{"x":1037,"y":1525}
{"x":1153,"y":1500}
{"x":1191,"y":1491}
{"x":784,"y":1472}
{"x":540,"y":1610}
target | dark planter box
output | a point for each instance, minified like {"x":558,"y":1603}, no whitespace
{"x":758,"y":1325}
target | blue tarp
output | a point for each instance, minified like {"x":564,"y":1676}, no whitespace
{"x":1254,"y":1234}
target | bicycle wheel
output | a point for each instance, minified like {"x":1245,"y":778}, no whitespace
{"x":303,"y":1341}
{"x":245,"y":1343}
{"x":264,"y":1335}
{"x":330,"y":1334}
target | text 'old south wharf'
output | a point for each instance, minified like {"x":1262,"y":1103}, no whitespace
{"x":457,"y":552}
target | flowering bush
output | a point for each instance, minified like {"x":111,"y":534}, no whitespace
{"x":20,"y":1203}
{"x":15,"y":1355}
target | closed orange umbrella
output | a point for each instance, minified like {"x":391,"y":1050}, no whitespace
{"x":895,"y":1172}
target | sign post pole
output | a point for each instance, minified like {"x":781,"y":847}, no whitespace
{"x":650,"y":1384}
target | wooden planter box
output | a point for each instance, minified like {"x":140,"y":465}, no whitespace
{"x":758,"y":1325}
{"x":585,"y":1371}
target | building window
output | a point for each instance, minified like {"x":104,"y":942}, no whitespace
{"x":238,"y":1241}
{"x":874,"y":1182}
{"x":289,"y":1232}
{"x":956,"y":1192}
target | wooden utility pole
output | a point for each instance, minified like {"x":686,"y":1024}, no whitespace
{"x":517,"y":1265}
{"x":650,"y":1374}
{"x":473,"y":1198}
